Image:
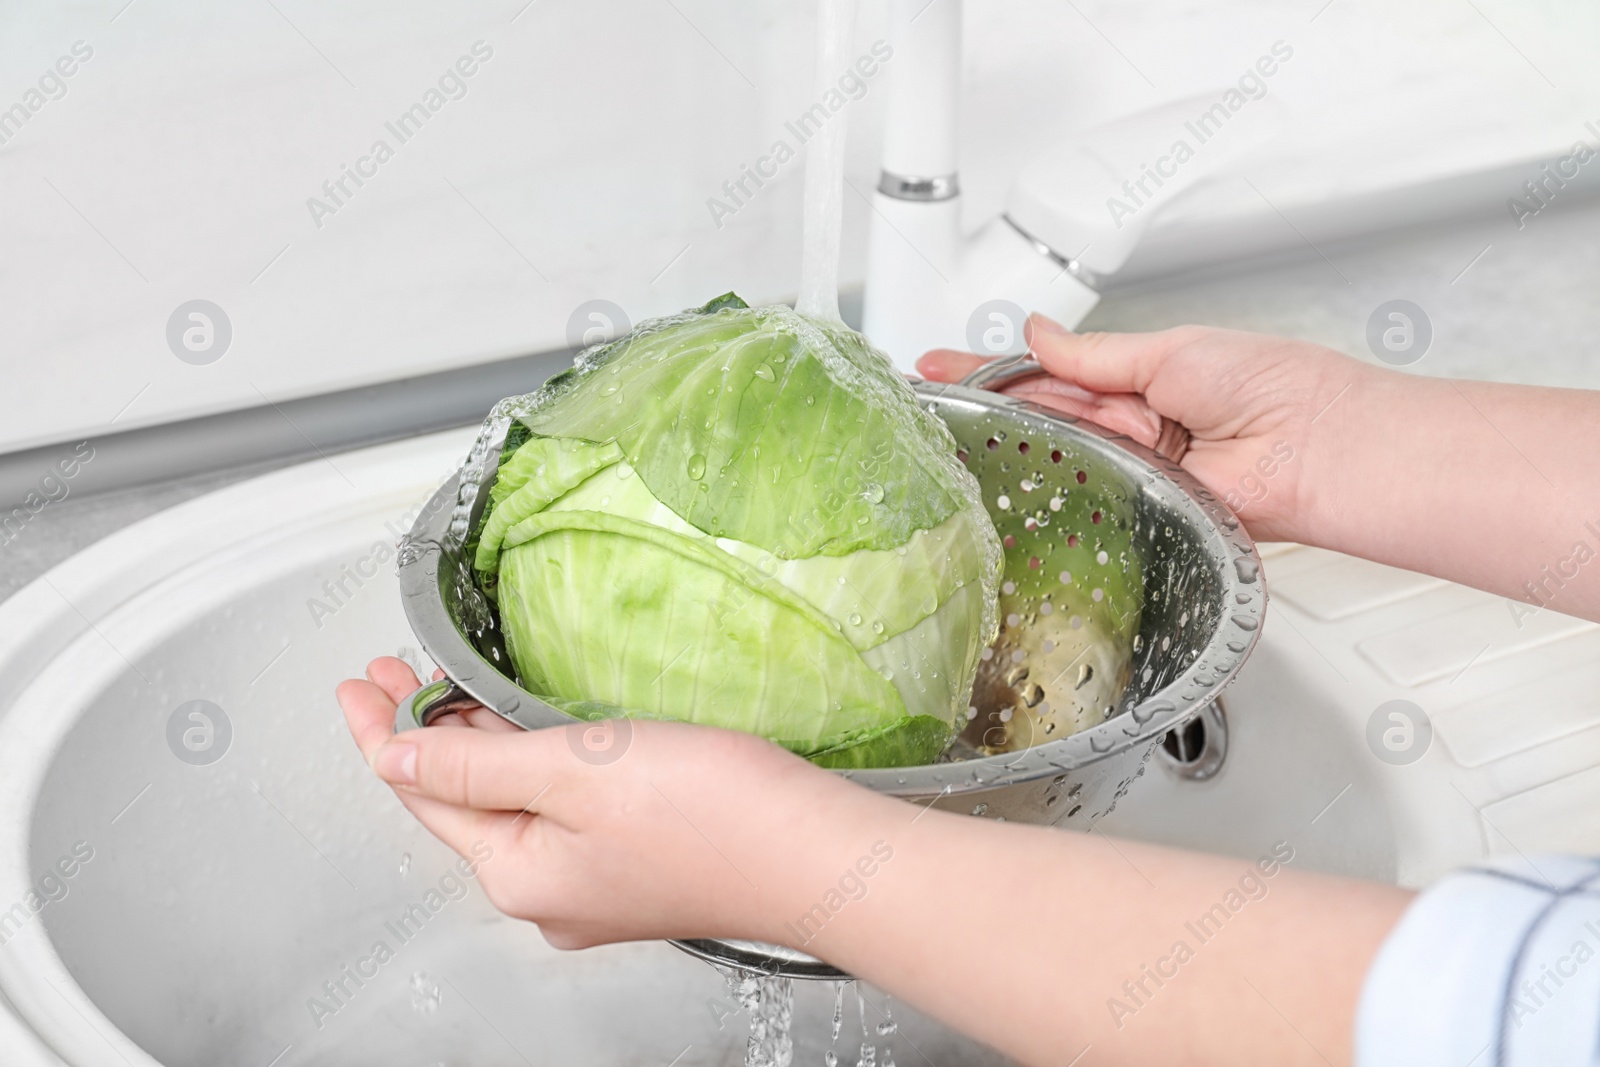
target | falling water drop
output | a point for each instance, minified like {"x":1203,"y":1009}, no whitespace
{"x":425,"y":994}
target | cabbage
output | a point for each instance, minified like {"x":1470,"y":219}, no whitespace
{"x":742,"y":517}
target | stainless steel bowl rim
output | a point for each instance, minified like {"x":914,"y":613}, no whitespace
{"x":1227,"y":545}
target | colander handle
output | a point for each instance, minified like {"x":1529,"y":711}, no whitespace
{"x":999,"y":374}
{"x":430,"y":702}
{"x":996,"y":374}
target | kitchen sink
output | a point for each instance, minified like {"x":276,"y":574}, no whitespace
{"x":214,"y":888}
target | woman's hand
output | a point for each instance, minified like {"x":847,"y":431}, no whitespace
{"x":619,"y":831}
{"x":1248,"y":401}
{"x":1486,"y":484}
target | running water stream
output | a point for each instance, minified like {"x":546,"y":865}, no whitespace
{"x":824,"y":193}
{"x":769,"y":1001}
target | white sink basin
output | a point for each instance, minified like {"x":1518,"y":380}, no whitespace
{"x":221,"y":897}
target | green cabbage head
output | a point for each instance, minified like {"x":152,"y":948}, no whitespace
{"x":742,"y":517}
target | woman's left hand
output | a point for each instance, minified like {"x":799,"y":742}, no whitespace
{"x":616,"y":831}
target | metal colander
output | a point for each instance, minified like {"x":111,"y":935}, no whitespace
{"x":1132,"y":596}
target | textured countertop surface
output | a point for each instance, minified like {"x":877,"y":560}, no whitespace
{"x":1506,"y":305}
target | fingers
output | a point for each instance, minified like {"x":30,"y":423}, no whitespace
{"x":474,"y":768}
{"x":393,"y":676}
{"x":369,"y":712}
{"x":1123,"y":413}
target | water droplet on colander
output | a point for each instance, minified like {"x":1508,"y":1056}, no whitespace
{"x":980,"y":809}
{"x":873,"y":493}
{"x":1099,"y":743}
{"x":1236,"y":646}
{"x":1143,"y":713}
{"x":1033,"y":697}
{"x":1245,"y":622}
{"x":1241,"y":598}
{"x":1138,"y":642}
{"x":697,"y":466}
{"x":1246,"y":569}
{"x":1085,"y":674}
{"x":405,"y":863}
{"x":764,"y":372}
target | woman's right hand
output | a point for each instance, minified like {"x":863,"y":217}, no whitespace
{"x":1251,"y":404}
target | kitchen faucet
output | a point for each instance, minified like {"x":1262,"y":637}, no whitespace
{"x":1072,"y":217}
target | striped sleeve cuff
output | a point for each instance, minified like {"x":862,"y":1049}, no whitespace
{"x":1495,"y":966}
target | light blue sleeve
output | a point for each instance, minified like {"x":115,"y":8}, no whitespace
{"x":1495,"y":966}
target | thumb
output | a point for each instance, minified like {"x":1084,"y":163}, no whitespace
{"x":1101,"y":362}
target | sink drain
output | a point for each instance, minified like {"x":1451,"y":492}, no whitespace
{"x":1196,"y":749}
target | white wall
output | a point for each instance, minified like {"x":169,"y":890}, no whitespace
{"x":179,"y":161}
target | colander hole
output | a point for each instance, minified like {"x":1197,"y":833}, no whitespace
{"x":1022,"y":446}
{"x":1095,"y":518}
{"x":1082,"y":477}
{"x":1055,"y":456}
{"x":993,"y":444}
{"x":1034,"y":562}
